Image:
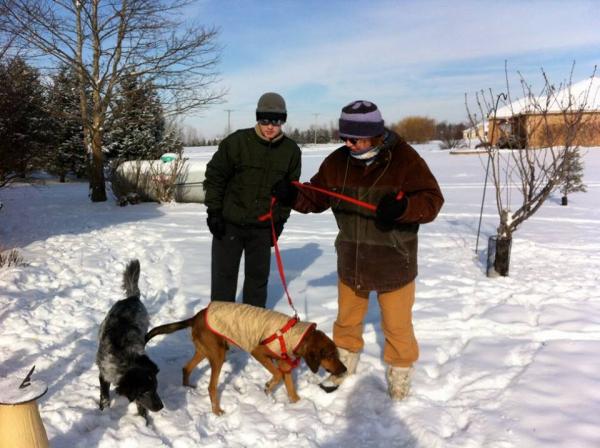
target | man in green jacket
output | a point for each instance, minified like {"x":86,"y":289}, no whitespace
{"x":238,"y":184}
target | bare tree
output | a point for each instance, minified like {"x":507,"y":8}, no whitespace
{"x":5,"y":44}
{"x":104,"y":40}
{"x":191,"y":137}
{"x":543,"y":131}
{"x":6,"y":39}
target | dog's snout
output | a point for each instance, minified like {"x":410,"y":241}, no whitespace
{"x":334,"y":366}
{"x":157,"y":404}
{"x":151,"y":401}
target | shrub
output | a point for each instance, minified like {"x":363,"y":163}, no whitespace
{"x":450,"y":143}
{"x":145,"y":180}
{"x":415,"y":129}
{"x":10,"y":258}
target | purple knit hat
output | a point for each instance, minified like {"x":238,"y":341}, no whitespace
{"x":361,"y":119}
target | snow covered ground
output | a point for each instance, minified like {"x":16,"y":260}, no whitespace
{"x":505,"y":362}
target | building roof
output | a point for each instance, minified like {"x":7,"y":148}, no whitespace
{"x":584,"y":94}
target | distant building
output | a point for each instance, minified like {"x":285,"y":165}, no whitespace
{"x":476,"y":135}
{"x":546,"y":121}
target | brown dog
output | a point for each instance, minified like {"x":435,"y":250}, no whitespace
{"x":272,"y":338}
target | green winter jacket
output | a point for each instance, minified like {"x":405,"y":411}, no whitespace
{"x":370,"y":258}
{"x":240,"y":175}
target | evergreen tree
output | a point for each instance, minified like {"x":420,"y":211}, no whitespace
{"x":137,"y":126}
{"x":172,"y":140}
{"x":295,"y":135}
{"x":24,"y":127}
{"x":69,"y":153}
{"x":573,"y":181}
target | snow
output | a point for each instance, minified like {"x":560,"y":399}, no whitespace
{"x":505,"y":362}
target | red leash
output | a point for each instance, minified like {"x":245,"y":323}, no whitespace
{"x":343,"y":197}
{"x":279,"y":334}
{"x":269,"y":215}
{"x":335,"y":195}
{"x":277,"y":254}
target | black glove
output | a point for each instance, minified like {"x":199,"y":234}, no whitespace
{"x":216,"y":223}
{"x":284,"y":192}
{"x":278,"y":229}
{"x":389,"y":210}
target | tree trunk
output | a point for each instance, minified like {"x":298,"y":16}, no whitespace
{"x":97,"y":186}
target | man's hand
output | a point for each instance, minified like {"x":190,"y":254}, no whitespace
{"x":285,"y":192}
{"x":390,"y":209}
{"x":216,"y":223}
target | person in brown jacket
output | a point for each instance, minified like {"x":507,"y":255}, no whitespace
{"x":376,"y":251}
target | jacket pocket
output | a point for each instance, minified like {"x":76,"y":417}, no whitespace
{"x":404,"y":245}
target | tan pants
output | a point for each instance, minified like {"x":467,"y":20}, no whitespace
{"x":401,"y":348}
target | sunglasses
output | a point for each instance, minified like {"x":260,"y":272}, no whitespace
{"x":352,"y":141}
{"x":266,"y":122}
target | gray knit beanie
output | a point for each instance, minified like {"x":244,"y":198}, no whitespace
{"x":361,"y":119}
{"x":271,"y":106}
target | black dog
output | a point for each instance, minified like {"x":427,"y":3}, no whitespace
{"x":121,"y":357}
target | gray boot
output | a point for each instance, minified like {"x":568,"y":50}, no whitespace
{"x":398,"y":379}
{"x":350,"y":360}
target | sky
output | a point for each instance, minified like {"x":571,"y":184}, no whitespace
{"x":505,"y":362}
{"x":409,"y":57}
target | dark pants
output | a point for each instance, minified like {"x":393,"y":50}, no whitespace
{"x":225,"y":264}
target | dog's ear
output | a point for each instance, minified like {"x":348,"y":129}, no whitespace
{"x":313,"y":359}
{"x":146,"y":363}
{"x":311,"y":351}
{"x":129,"y":385}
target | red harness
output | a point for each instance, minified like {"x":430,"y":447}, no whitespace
{"x":284,"y":352}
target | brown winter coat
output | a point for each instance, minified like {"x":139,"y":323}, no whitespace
{"x":246,"y":326}
{"x":370,"y":258}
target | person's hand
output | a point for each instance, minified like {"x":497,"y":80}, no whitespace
{"x":285,"y":192}
{"x":390,"y":209}
{"x":216,"y":223}
{"x":278,"y":229}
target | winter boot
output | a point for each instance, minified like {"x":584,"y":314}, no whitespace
{"x":350,"y":360}
{"x":398,"y":379}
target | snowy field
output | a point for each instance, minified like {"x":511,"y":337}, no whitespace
{"x":505,"y":362}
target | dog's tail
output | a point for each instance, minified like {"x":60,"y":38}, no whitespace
{"x":170,"y":328}
{"x":131,"y":277}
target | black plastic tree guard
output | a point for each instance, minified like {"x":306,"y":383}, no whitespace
{"x":498,"y":259}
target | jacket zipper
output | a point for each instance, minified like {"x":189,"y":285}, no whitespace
{"x":265,"y":174}
{"x":356,"y":281}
